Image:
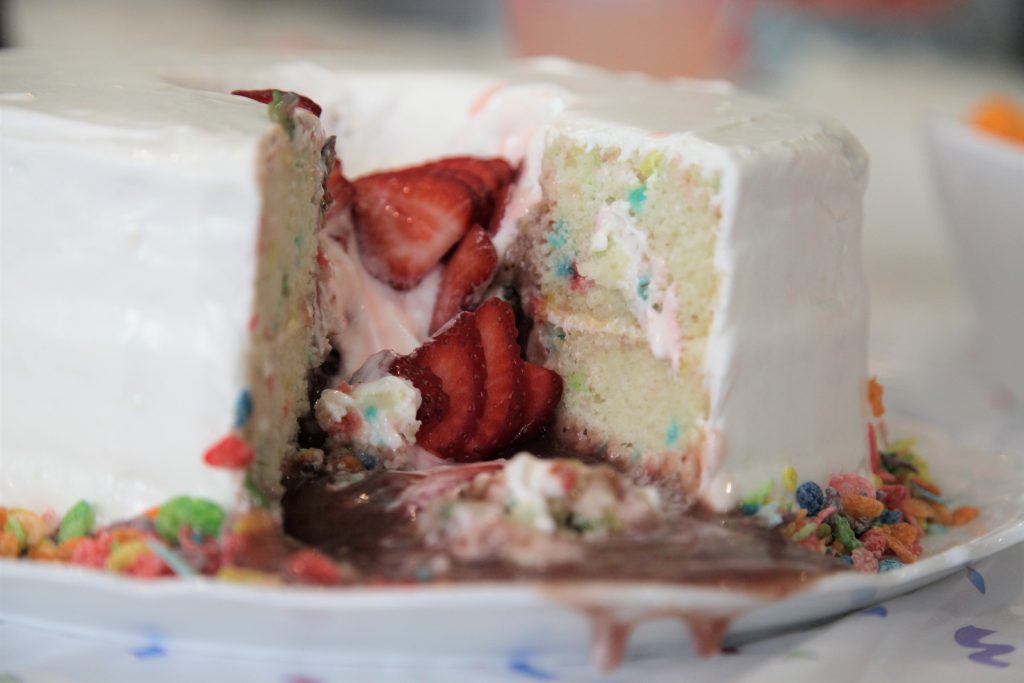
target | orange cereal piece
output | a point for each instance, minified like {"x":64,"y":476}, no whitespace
{"x":963,"y":515}
{"x":942,"y":514}
{"x":901,"y":551}
{"x":46,"y":551}
{"x":9,"y":546}
{"x":929,"y":486}
{"x":1000,"y":116}
{"x":66,"y":549}
{"x":875,"y":397}
{"x":862,"y":507}
{"x":902,"y":532}
{"x":3,"y":517}
{"x":917,"y":508}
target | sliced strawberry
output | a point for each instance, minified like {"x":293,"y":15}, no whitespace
{"x":433,"y":400}
{"x":502,"y":416}
{"x":543,"y":390}
{"x":456,"y":357}
{"x":500,"y":204}
{"x":494,"y":173}
{"x":469,"y":269}
{"x":341,"y":190}
{"x":266,"y":96}
{"x":406,"y":221}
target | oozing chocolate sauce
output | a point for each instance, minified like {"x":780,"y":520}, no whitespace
{"x":363,"y":525}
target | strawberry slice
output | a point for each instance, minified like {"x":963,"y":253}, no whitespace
{"x":502,"y":415}
{"x":266,"y":96}
{"x":466,"y":273}
{"x":543,"y":391}
{"x":456,"y":357}
{"x":407,"y":220}
{"x":341,"y":190}
{"x":433,"y":400}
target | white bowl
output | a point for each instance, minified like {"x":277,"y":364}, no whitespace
{"x":980,"y":180}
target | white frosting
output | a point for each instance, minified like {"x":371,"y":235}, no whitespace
{"x":129,"y":216}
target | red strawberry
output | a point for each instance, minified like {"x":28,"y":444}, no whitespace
{"x":266,"y":96}
{"x":433,"y":400}
{"x":456,"y":357}
{"x":469,"y":269}
{"x":543,"y":392}
{"x":502,"y":415}
{"x":488,"y":177}
{"x":406,"y":221}
{"x":500,"y":204}
{"x":339,"y":187}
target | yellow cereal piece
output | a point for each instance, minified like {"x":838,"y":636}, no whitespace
{"x":789,"y":478}
{"x":254,"y":521}
{"x":124,"y":555}
{"x":243,"y":575}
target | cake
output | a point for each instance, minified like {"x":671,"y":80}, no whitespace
{"x":686,"y":255}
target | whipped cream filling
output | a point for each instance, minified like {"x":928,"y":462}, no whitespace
{"x":371,"y":416}
{"x":645,"y":281}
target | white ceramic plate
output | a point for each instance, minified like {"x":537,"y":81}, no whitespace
{"x":497,"y":619}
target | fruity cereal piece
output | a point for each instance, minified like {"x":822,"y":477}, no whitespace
{"x":199,"y":515}
{"x":964,"y":515}
{"x":231,"y":452}
{"x":862,"y":507}
{"x":79,"y":520}
{"x":9,"y":546}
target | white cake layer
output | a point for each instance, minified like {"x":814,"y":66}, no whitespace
{"x":129,"y":215}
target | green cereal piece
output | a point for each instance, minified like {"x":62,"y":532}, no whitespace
{"x":804,"y":531}
{"x":845,"y":534}
{"x":760,"y":495}
{"x":14,"y":526}
{"x":824,"y":531}
{"x":197,"y":514}
{"x":78,"y":521}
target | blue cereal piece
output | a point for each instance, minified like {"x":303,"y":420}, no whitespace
{"x":749,"y":509}
{"x":243,"y":408}
{"x":810,"y":497}
{"x":846,"y":559}
{"x":637,"y":196}
{"x":891,"y":517}
{"x":888,"y":564}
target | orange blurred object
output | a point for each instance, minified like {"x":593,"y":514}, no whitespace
{"x":660,"y":37}
{"x":1000,"y":116}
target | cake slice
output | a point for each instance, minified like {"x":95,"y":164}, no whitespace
{"x":694,"y":275}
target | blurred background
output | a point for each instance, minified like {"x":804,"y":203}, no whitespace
{"x":889,"y":69}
